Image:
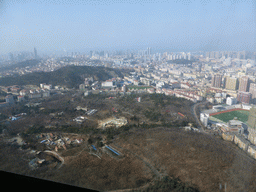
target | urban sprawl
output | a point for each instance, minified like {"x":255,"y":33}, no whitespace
{"x":224,"y":79}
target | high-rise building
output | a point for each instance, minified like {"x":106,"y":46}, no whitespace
{"x":231,"y":83}
{"x":20,"y":56}
{"x":169,"y":57}
{"x":252,"y":125}
{"x":243,"y":53}
{"x":238,"y":55}
{"x":200,"y":67}
{"x":252,"y":90}
{"x":159,"y":57}
{"x":101,"y":53}
{"x":11,"y":57}
{"x":216,"y":80}
{"x":90,"y":55}
{"x":165,"y":54}
{"x":217,"y":55}
{"x":244,"y":97}
{"x":244,"y":84}
{"x":189,"y":56}
{"x":148,"y":51}
{"x":35,"y":53}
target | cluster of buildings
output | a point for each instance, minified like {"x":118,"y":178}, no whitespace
{"x":81,"y":119}
{"x":57,"y":141}
{"x":241,"y":142}
{"x":213,"y":76}
{"x":239,"y":127}
{"x":244,"y":87}
{"x":226,"y":78}
{"x":218,"y":77}
{"x":229,"y":72}
{"x":17,"y":93}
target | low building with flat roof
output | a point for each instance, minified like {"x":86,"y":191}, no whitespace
{"x":241,"y":142}
{"x":252,"y":151}
{"x":228,"y":136}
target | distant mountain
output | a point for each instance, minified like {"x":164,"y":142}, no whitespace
{"x":70,"y":76}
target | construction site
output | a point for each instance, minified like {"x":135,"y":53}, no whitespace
{"x":135,"y":159}
{"x":112,"y":122}
{"x":53,"y":149}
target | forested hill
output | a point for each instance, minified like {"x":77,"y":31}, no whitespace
{"x":70,"y":76}
{"x":23,"y":64}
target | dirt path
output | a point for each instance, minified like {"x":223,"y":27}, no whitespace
{"x":151,"y":167}
{"x":58,"y":157}
{"x":79,"y":153}
{"x":157,"y":174}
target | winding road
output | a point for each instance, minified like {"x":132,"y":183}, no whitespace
{"x":201,"y":127}
{"x":193,"y":110}
{"x":57,"y":156}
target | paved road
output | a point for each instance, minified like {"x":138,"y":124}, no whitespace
{"x":193,"y":110}
{"x":239,"y":151}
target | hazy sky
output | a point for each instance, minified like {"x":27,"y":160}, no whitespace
{"x":69,"y":25}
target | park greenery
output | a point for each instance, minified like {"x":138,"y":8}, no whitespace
{"x":69,"y":76}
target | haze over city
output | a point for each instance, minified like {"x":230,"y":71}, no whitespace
{"x":83,"y":25}
{"x":128,"y":95}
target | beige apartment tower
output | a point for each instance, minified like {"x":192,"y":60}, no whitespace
{"x":244,"y":84}
{"x":216,"y":80}
{"x":252,"y":90}
{"x":231,"y":83}
{"x":252,"y":125}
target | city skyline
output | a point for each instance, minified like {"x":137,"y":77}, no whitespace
{"x":79,"y":26}
{"x":82,"y":107}
{"x":146,"y":52}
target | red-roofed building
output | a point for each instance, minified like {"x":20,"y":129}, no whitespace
{"x":185,"y":85}
{"x":244,"y":97}
{"x":20,"y":98}
{"x":15,"y":89}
